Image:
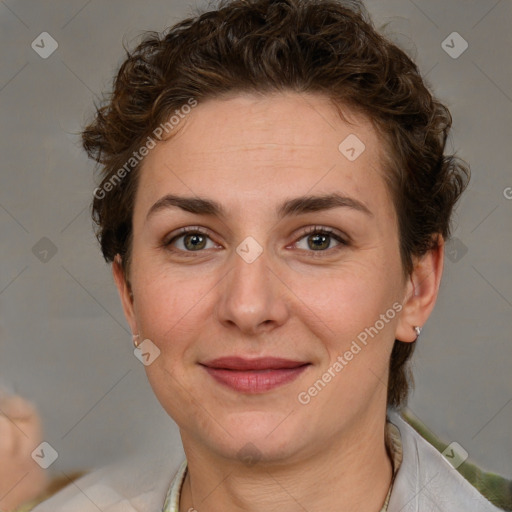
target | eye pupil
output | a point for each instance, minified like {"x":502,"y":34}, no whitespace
{"x":194,"y":240}
{"x":319,"y":237}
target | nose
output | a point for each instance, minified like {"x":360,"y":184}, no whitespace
{"x":253,"y":296}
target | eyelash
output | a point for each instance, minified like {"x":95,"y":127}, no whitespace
{"x":312,"y":230}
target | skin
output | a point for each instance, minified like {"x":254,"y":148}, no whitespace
{"x":21,"y":479}
{"x":250,"y":154}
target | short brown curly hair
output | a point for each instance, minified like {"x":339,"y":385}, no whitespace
{"x":313,"y":46}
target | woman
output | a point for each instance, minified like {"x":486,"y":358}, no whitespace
{"x":275,"y":200}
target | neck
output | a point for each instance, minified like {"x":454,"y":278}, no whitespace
{"x":353,"y":473}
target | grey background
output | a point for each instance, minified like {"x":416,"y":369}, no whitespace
{"x":64,"y":343}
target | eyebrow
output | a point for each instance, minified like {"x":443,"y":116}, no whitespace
{"x":291,"y":207}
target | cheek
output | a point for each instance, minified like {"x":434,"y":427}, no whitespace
{"x":169,"y":307}
{"x":350,"y":298}
{"x":354,"y":316}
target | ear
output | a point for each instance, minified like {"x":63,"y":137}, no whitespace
{"x":125,"y":293}
{"x":421,"y":292}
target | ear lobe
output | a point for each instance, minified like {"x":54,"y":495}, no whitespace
{"x":421,"y":292}
{"x":125,"y":293}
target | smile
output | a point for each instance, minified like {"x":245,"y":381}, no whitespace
{"x":256,"y":375}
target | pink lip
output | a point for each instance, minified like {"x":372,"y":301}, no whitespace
{"x":254,"y":375}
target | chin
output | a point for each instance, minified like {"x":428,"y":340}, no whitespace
{"x":258,"y":436}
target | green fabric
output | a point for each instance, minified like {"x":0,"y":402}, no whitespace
{"x":497,"y":489}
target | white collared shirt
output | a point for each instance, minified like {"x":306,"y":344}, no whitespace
{"x":425,"y":481}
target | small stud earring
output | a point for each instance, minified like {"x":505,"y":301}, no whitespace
{"x":418,"y":331}
{"x":135,"y":338}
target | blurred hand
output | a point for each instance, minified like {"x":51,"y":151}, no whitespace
{"x":21,"y":479}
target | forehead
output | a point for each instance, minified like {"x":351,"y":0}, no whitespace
{"x":246,"y":145}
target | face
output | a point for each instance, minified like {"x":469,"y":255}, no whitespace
{"x":262,"y":276}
